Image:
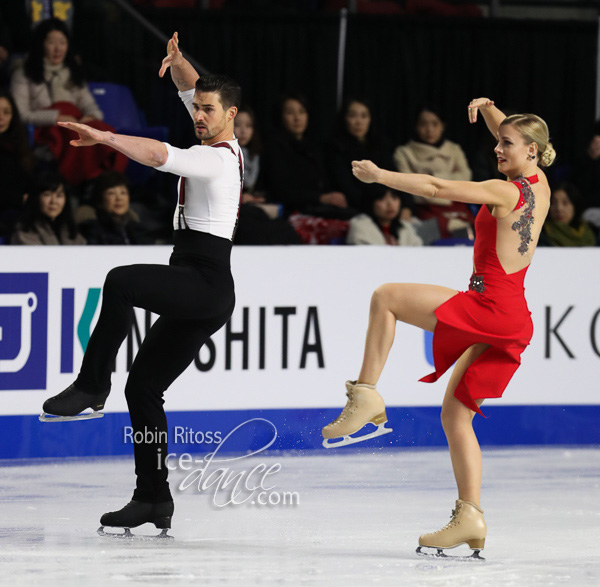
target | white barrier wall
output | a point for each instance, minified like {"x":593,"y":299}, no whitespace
{"x":298,"y":328}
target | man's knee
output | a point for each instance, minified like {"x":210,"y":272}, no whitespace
{"x":116,"y":277}
{"x":145,"y":383}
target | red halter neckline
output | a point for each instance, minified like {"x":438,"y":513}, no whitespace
{"x":533,"y":179}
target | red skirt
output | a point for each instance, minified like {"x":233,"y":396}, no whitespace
{"x":469,"y":318}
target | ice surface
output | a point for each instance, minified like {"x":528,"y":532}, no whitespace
{"x":357,"y":523}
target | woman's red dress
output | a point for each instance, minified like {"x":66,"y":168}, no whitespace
{"x":493,"y":311}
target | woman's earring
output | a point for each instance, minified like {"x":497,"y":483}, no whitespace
{"x":531,"y":157}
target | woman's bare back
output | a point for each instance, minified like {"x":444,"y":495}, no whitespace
{"x":519,"y":231}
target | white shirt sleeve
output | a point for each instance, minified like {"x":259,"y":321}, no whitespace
{"x":197,"y":161}
{"x":187,"y":98}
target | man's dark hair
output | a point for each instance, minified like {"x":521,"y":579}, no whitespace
{"x":229,"y":91}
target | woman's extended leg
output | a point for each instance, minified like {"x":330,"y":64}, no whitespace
{"x":409,"y":302}
{"x":457,"y":421}
{"x":412,"y":303}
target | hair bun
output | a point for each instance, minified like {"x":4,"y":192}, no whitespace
{"x":548,"y":156}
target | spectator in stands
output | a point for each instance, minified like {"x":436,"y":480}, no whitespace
{"x":354,"y":140}
{"x":587,"y":171}
{"x":565,"y":226}
{"x":47,"y":218}
{"x":112,"y":222}
{"x":248,"y":138}
{"x":50,"y":87}
{"x":429,"y":152}
{"x":258,"y":222}
{"x":16,"y":163}
{"x":293,"y":168}
{"x":383,"y":224}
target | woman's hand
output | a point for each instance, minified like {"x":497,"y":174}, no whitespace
{"x":88,"y":136}
{"x":174,"y":55}
{"x":366,"y":171}
{"x":478,"y":104}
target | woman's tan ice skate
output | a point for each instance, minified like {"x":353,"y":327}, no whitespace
{"x":364,"y":406}
{"x":467,"y":526}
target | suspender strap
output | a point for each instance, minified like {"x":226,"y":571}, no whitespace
{"x":181,"y":204}
{"x":239,"y":156}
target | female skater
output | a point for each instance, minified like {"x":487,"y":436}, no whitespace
{"x":194,"y":294}
{"x":483,"y":330}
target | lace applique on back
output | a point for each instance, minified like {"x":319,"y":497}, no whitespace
{"x":523,"y":225}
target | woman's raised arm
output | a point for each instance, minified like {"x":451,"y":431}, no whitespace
{"x":492,"y":116}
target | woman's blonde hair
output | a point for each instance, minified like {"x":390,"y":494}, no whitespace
{"x":534,"y":130}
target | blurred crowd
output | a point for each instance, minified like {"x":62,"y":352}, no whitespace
{"x":296,"y":190}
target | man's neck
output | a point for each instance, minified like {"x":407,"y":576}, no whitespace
{"x":225,"y":135}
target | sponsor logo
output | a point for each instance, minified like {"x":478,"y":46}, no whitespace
{"x":23,"y":330}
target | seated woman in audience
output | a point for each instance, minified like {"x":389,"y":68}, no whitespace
{"x":293,"y":170}
{"x":354,"y":140}
{"x":258,"y":222}
{"x":587,"y":170}
{"x":47,"y":218}
{"x":246,"y":132}
{"x":564,"y":226}
{"x":382,"y":225}
{"x":113,"y":223}
{"x":429,"y":152}
{"x":16,"y":163}
{"x":48,"y":88}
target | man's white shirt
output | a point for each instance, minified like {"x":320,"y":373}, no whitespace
{"x":212,"y":183}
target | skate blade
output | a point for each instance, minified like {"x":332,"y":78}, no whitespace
{"x":440,"y":554}
{"x":50,"y":418}
{"x":346,"y":440}
{"x":129,"y":536}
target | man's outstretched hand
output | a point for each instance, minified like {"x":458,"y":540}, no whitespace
{"x":174,"y":55}
{"x":88,"y":136}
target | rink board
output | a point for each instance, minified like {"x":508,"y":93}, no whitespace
{"x":296,"y":334}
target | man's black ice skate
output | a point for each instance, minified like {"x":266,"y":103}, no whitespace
{"x":136,"y":513}
{"x":68,"y":405}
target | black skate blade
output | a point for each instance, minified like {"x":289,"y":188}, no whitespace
{"x":86,"y":416}
{"x":129,"y":536}
{"x":440,"y":554}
